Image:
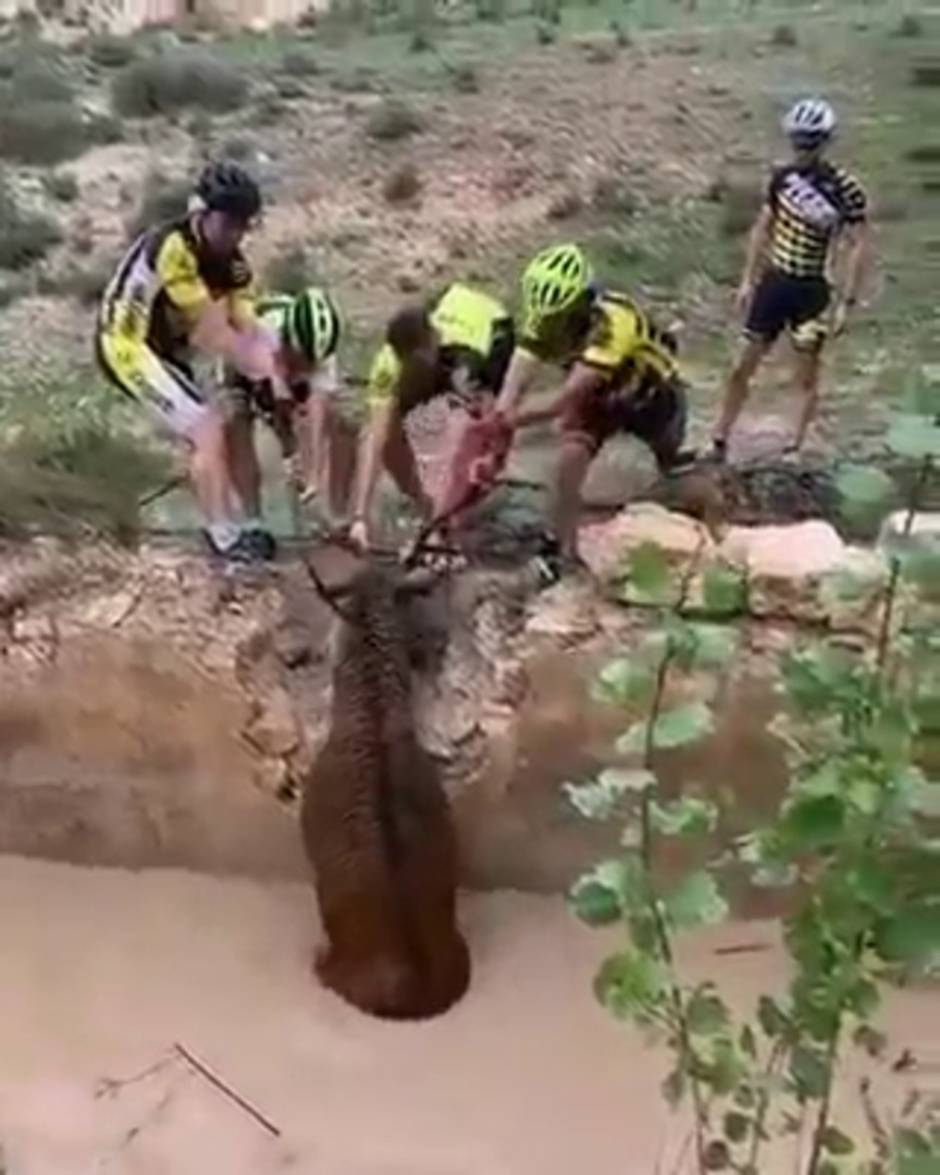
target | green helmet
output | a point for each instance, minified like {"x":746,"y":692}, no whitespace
{"x":312,"y":324}
{"x":554,"y":279}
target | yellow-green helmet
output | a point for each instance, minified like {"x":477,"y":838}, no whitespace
{"x":553,"y":280}
{"x":312,"y":324}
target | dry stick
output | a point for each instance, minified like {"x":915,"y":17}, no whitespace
{"x":222,"y":1087}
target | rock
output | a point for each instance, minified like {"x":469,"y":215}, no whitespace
{"x":273,"y":730}
{"x":567,"y":613}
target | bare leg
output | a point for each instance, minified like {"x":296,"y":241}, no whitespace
{"x":243,"y":464}
{"x":208,"y":468}
{"x":739,"y":386}
{"x":342,"y":439}
{"x":573,"y":465}
{"x":808,"y":372}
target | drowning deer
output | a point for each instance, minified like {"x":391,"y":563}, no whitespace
{"x":376,"y":822}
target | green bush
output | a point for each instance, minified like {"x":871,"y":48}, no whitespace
{"x":611,"y":195}
{"x":299,"y":63}
{"x":111,"y":52}
{"x":102,"y":129}
{"x":61,"y":186}
{"x":161,"y":199}
{"x":270,"y":108}
{"x":170,"y":82}
{"x":24,"y":237}
{"x":85,"y":283}
{"x":910,"y":26}
{"x":392,"y":120}
{"x":40,"y":133}
{"x":784,"y":37}
{"x":466,"y":78}
{"x":240,"y":148}
{"x":70,"y":482}
{"x":41,"y":79}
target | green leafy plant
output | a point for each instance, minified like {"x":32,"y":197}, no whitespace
{"x":851,"y":839}
{"x":25,"y":237}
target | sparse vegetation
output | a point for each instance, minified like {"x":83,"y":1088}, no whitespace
{"x":611,"y":195}
{"x":76,"y":483}
{"x":61,"y":186}
{"x":161,"y":199}
{"x":784,"y":37}
{"x":910,"y":25}
{"x":25,"y":237}
{"x":300,"y":63}
{"x":466,"y":78}
{"x":289,"y":271}
{"x":392,"y":120}
{"x":403,"y":185}
{"x":565,"y":205}
{"x":40,"y":133}
{"x":169,"y":82}
{"x":111,"y":52}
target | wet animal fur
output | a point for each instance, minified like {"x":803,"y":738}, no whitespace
{"x":377,"y":826}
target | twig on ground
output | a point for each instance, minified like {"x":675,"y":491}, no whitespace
{"x":204,"y":1071}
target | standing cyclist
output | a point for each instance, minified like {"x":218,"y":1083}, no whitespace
{"x":185,"y":287}
{"x":810,"y":203}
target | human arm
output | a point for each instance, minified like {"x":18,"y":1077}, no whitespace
{"x":756,"y":246}
{"x":856,"y":246}
{"x":583,"y":380}
{"x":518,"y":379}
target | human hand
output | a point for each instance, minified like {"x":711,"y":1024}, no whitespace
{"x":840,"y":317}
{"x":359,"y":535}
{"x":743,"y":296}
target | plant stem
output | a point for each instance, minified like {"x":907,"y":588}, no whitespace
{"x":822,"y":1119}
{"x":662,"y":930}
{"x":777,"y":1053}
{"x":891,"y":591}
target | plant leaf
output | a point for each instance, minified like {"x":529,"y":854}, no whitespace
{"x":648,"y":572}
{"x":674,"y":1088}
{"x":696,"y":901}
{"x":630,"y":985}
{"x":598,"y":799}
{"x":835,"y":1142}
{"x":736,"y":1126}
{"x":771,"y":1017}
{"x":714,"y":645}
{"x":915,"y":436}
{"x":624,"y":681}
{"x":724,"y":590}
{"x":705,"y":1013}
{"x":863,"y":489}
{"x":809,"y":1071}
{"x":676,"y":728}
{"x":912,"y":934}
{"x":687,"y":816}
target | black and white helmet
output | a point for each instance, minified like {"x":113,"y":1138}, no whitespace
{"x":810,"y":122}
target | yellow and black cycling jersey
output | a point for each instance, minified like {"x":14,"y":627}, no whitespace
{"x":809,"y":207}
{"x":475,"y":334}
{"x":162,"y":284}
{"x":615,"y":336}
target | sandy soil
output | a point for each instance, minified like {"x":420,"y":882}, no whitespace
{"x":101,"y":971}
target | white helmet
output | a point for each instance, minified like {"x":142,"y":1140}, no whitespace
{"x":810,"y":122}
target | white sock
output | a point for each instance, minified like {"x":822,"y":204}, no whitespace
{"x":223,"y":535}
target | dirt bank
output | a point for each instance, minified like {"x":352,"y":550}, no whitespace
{"x":102,"y":970}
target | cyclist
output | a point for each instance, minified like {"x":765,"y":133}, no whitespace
{"x":622,"y":377}
{"x":810,"y":203}
{"x":181,"y":288}
{"x":457,"y":344}
{"x":319,"y":450}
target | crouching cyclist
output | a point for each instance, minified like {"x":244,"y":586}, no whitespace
{"x":622,"y":377}
{"x":319,"y":449}
{"x":182,"y":288}
{"x":457,"y":344}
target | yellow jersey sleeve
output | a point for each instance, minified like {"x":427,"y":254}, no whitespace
{"x":241,"y":308}
{"x":178,"y":271}
{"x":384,"y":375}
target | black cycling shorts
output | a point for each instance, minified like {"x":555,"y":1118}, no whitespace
{"x":795,"y":304}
